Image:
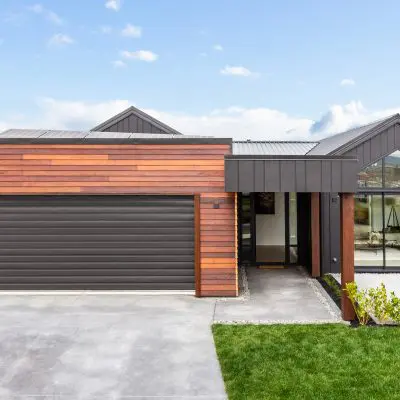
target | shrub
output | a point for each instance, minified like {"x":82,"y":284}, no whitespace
{"x":361,"y":302}
{"x":374,"y":301}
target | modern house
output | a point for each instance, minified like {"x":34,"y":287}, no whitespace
{"x":136,"y":205}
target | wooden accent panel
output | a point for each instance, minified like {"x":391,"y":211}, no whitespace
{"x":108,"y":169}
{"x":218,"y":245}
{"x":347,"y":250}
{"x":140,"y":169}
{"x":315,"y":236}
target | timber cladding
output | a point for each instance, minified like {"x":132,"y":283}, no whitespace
{"x":164,"y":169}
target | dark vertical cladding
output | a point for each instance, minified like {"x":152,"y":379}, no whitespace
{"x":290,"y":174}
{"x":134,"y":124}
{"x":134,"y":120}
{"x":377,"y":147}
{"x":330,"y":233}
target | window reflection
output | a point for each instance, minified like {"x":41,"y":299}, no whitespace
{"x":371,"y":176}
{"x":392,"y":230}
{"x":392,"y":170}
{"x":368,"y":231}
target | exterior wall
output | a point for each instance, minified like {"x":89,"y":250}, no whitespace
{"x":290,"y":174}
{"x":138,"y":169}
{"x":376,"y":147}
{"x":134,"y":124}
{"x":367,"y":153}
{"x":330,"y":233}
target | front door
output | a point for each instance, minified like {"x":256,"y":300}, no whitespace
{"x":267,"y":228}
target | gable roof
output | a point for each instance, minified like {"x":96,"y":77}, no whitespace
{"x":137,"y":113}
{"x":272,"y":148}
{"x":342,"y":142}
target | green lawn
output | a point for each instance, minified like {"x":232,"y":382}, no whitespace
{"x":309,"y":362}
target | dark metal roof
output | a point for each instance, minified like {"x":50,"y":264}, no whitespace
{"x":139,"y":113}
{"x":272,"y":148}
{"x":81,"y":137}
{"x":341,"y":142}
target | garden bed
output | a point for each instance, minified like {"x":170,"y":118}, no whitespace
{"x":332,"y":287}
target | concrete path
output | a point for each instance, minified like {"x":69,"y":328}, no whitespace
{"x":107,"y":347}
{"x":280,"y":296}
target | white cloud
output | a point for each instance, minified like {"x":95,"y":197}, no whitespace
{"x":60,"y":39}
{"x":347,"y":82}
{"x":132,"y":31}
{"x":241,"y":123}
{"x":142,"y":55}
{"x":218,"y":47}
{"x":113,"y":5}
{"x":106,"y":29}
{"x":237,"y":71}
{"x":46,"y":13}
{"x":119,"y":64}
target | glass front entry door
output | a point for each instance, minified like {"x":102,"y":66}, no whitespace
{"x":267,"y":224}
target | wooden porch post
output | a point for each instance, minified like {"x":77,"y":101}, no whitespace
{"x":315,"y":236}
{"x":347,"y":250}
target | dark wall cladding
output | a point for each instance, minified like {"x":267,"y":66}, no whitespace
{"x":377,"y":147}
{"x":134,"y":124}
{"x":367,"y":152}
{"x":290,"y":174}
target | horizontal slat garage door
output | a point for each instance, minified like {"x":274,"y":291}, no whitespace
{"x":97,"y":242}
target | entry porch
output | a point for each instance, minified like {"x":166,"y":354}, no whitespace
{"x":279,"y":216}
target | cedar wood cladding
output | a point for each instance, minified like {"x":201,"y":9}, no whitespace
{"x":168,"y":169}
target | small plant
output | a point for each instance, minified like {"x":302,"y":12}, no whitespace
{"x":380,"y":306}
{"x":394,"y":308}
{"x":375,"y":301}
{"x":361,"y":302}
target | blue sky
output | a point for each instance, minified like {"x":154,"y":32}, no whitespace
{"x":259,"y":68}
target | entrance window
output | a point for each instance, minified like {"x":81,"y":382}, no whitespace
{"x":270,"y":227}
{"x":245,"y":218}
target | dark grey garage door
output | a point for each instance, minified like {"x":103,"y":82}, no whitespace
{"x":97,"y":242}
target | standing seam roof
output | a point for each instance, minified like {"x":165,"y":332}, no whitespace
{"x":330,"y":144}
{"x":272,"y":148}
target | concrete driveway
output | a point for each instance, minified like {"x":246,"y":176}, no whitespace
{"x":74,"y":347}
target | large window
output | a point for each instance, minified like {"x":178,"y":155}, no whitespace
{"x":377,"y":230}
{"x":391,"y":171}
{"x":368,"y":231}
{"x":372,"y":176}
{"x":392,"y":230}
{"x":382,"y":174}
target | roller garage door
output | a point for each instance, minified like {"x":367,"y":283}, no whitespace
{"x":97,"y":242}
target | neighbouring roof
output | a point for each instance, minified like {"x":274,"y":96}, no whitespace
{"x":335,"y":144}
{"x":138,"y":113}
{"x":45,"y":136}
{"x":272,"y":148}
